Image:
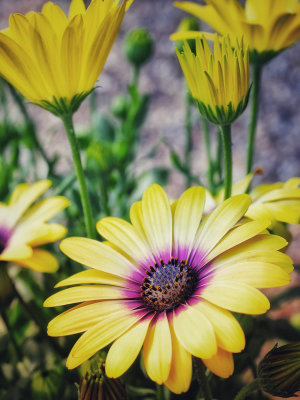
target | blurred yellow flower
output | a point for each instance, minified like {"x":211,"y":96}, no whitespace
{"x":277,"y":202}
{"x":268,"y":26}
{"x":24,"y":227}
{"x":218,"y":83}
{"x":55,"y":61}
{"x":168,"y":282}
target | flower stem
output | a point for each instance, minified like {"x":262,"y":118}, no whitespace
{"x":188,"y":138}
{"x":210,"y":169}
{"x":247,"y":389}
{"x":202,"y":379}
{"x":225,"y":132}
{"x":257,"y":70}
{"x":136,"y":75}
{"x":86,"y":205}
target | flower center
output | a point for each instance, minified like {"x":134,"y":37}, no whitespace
{"x":168,"y":285}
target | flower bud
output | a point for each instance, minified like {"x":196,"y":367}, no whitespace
{"x":94,"y":384}
{"x":119,"y":106}
{"x":279,"y":371}
{"x":138,"y":47}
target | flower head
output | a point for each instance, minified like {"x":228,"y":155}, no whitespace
{"x":54,"y":60}
{"x":279,"y":371}
{"x":268,"y":26}
{"x":278,"y":202}
{"x":218,"y":83}
{"x":167,"y":282}
{"x":24,"y":227}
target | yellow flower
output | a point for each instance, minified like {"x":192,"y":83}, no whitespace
{"x":167,"y":282}
{"x":220,"y":83}
{"x":24,"y":227}
{"x":277,"y":202}
{"x":268,"y":26}
{"x":55,"y":61}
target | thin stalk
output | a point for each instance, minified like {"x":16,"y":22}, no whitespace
{"x":225,"y":132}
{"x":160,"y":395}
{"x":219,"y":158}
{"x":11,"y":333}
{"x":188,"y":138}
{"x":210,"y":166}
{"x":202,"y":379}
{"x":86,"y":205}
{"x":136,"y":74}
{"x":257,"y":71}
{"x":247,"y":389}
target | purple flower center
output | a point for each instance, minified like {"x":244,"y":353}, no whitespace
{"x":4,"y":238}
{"x":169,"y":285}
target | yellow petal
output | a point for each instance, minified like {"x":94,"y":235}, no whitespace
{"x":83,"y":317}
{"x":99,"y":336}
{"x":83,"y":293}
{"x":96,"y":255}
{"x":92,"y":276}
{"x":40,"y":260}
{"x":229,"y":333}
{"x":76,"y":7}
{"x":237,"y":297}
{"x":157,"y":350}
{"x":220,"y":221}
{"x":187,"y":217}
{"x":194,"y":331}
{"x":158,"y":221}
{"x":125,"y":236}
{"x":221,"y":364}
{"x":125,"y":350}
{"x":180,"y":375}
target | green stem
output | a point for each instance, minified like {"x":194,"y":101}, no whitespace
{"x":136,"y":74}
{"x":257,"y":71}
{"x":11,"y":333}
{"x":210,"y":170}
{"x":219,"y":158}
{"x":188,"y":138}
{"x":247,"y":389}
{"x":225,"y":132}
{"x":160,"y":395}
{"x":87,"y":211}
{"x":202,"y":379}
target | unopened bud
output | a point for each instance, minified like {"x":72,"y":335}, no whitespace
{"x":279,"y":371}
{"x":138,"y":46}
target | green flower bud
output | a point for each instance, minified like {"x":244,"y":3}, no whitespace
{"x":119,"y":107}
{"x":46,"y":385}
{"x":138,"y":47}
{"x":94,"y":384}
{"x":279,"y":371}
{"x":188,"y":24}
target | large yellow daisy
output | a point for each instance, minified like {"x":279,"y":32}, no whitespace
{"x":54,"y":60}
{"x":24,"y":227}
{"x":167,"y":282}
{"x":268,"y":26}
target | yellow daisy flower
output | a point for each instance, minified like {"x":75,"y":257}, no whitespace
{"x":167,"y":282}
{"x":54,"y":60}
{"x":24,"y":227}
{"x":277,"y":202}
{"x":268,"y":26}
{"x":218,"y":83}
